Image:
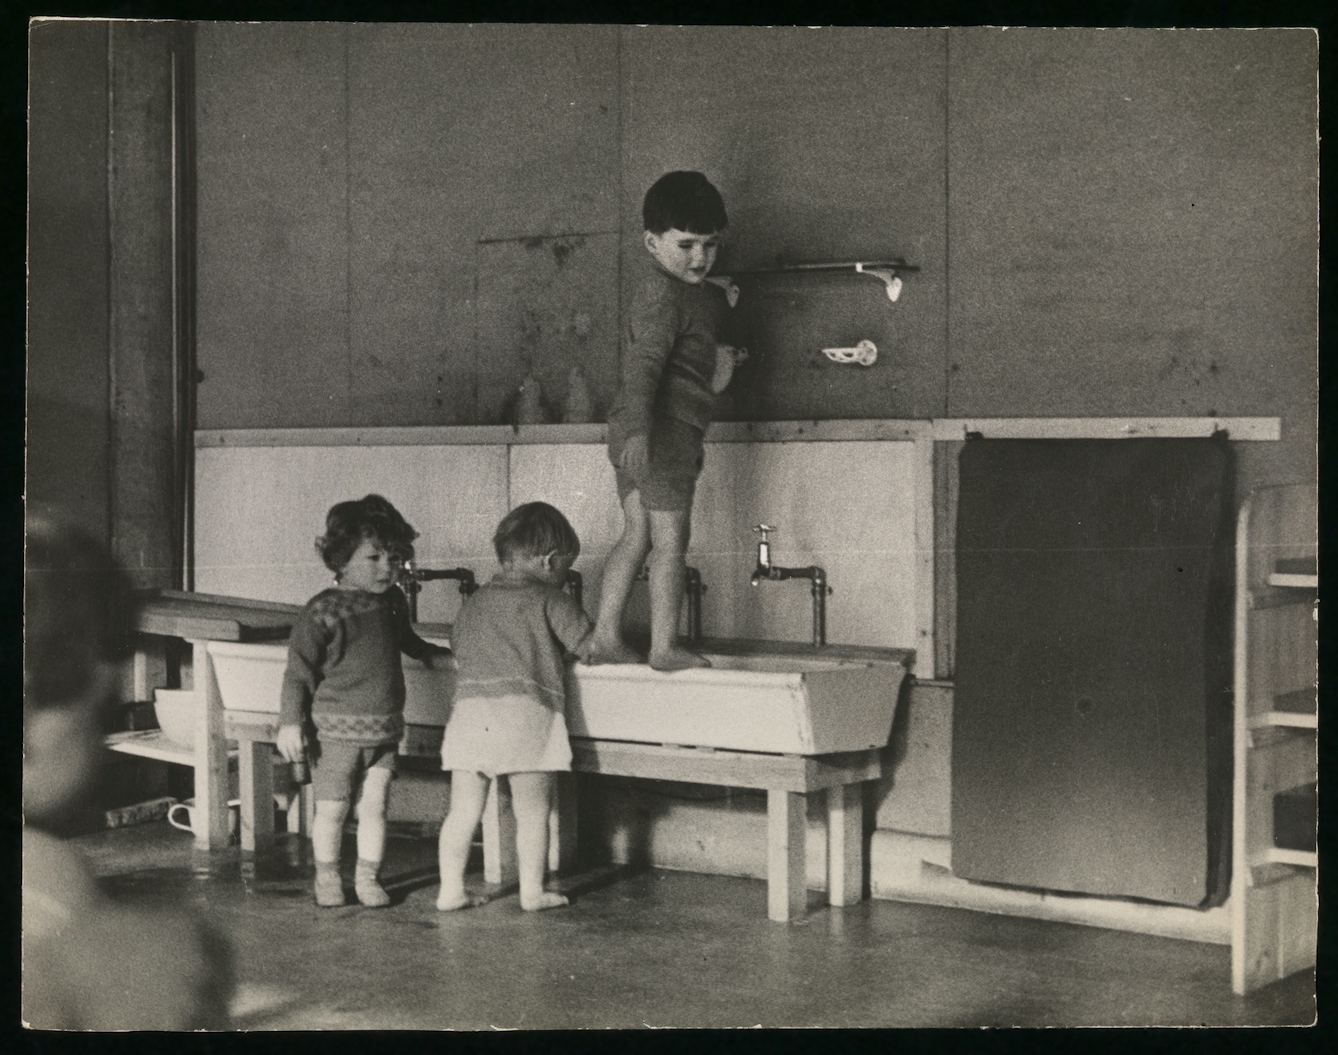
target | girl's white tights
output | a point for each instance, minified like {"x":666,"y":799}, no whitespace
{"x":530,"y":798}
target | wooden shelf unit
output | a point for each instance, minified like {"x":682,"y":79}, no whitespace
{"x":197,"y":618}
{"x":153,"y":743}
{"x":1274,"y":912}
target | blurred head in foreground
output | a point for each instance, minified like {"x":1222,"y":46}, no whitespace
{"x":78,"y":622}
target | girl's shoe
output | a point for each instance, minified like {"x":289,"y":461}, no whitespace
{"x":370,"y":892}
{"x":330,"y":890}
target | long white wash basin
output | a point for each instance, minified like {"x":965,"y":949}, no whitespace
{"x":782,"y":704}
{"x":250,"y":678}
{"x":789,"y":700}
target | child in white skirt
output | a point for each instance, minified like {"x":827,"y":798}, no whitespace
{"x":511,"y":642}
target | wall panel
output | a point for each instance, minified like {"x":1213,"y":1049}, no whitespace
{"x":459,"y":133}
{"x":68,"y":250}
{"x":546,"y":306}
{"x":1132,"y":226}
{"x":148,"y":58}
{"x":272,"y":254}
{"x":259,"y":509}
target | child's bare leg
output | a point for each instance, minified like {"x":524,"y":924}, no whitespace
{"x":469,"y":791}
{"x":372,"y":837}
{"x":327,"y":832}
{"x":669,"y":532}
{"x":531,"y":796}
{"x":620,"y":571}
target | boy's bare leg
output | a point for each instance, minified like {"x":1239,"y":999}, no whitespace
{"x":531,"y":795}
{"x":620,"y":571}
{"x":469,"y":791}
{"x":669,"y":544}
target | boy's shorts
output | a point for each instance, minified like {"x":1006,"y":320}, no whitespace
{"x":675,"y":461}
{"x":337,"y":768}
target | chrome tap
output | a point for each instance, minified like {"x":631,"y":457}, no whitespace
{"x":412,"y":578}
{"x":766,"y":570}
{"x":694,"y":588}
{"x":576,"y":585}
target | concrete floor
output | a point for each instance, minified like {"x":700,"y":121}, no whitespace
{"x":660,"y":949}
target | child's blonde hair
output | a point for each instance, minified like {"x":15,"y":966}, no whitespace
{"x":532,"y":530}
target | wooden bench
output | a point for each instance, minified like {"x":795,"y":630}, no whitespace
{"x":788,"y":780}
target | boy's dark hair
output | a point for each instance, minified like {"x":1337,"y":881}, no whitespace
{"x":372,"y":517}
{"x":685,"y":201}
{"x":78,"y":610}
{"x":532,"y":530}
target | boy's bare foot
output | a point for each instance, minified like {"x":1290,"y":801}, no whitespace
{"x":676,"y":657}
{"x":544,"y":899}
{"x":453,"y":902}
{"x":612,"y":652}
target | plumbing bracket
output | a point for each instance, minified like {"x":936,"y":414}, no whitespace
{"x":889,"y":279}
{"x":725,"y":283}
{"x":865,"y":353}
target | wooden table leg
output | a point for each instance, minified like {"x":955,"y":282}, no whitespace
{"x":562,"y":824}
{"x":845,"y":844}
{"x":149,"y":670}
{"x":786,"y":881}
{"x":300,"y":811}
{"x":212,"y":823}
{"x":255,"y":764}
{"x":499,"y":835}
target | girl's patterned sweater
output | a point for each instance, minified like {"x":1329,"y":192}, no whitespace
{"x":344,"y":666}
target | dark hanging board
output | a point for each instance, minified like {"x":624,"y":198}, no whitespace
{"x":1091,"y":715}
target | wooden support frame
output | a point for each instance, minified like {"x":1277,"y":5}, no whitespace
{"x":1274,"y":913}
{"x":788,"y":780}
{"x":212,"y":823}
{"x":845,"y":844}
{"x":1106,"y":428}
{"x":256,"y":733}
{"x":787,"y":892}
{"x":255,"y":773}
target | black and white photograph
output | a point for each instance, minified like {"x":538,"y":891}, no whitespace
{"x":965,"y":676}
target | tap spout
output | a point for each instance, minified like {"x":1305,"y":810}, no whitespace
{"x":576,"y":584}
{"x":765,"y":570}
{"x":413,"y":577}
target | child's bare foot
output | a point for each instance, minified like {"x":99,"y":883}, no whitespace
{"x":676,"y":657}
{"x":544,"y":899}
{"x":612,"y":652}
{"x":451,"y":902}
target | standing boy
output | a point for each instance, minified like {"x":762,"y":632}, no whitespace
{"x":658,"y":420}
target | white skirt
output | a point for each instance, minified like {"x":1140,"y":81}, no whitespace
{"x":505,"y":734}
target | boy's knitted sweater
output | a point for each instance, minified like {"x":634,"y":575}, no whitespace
{"x":669,"y":353}
{"x":344,"y":666}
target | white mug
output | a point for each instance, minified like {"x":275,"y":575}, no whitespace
{"x":187,"y":810}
